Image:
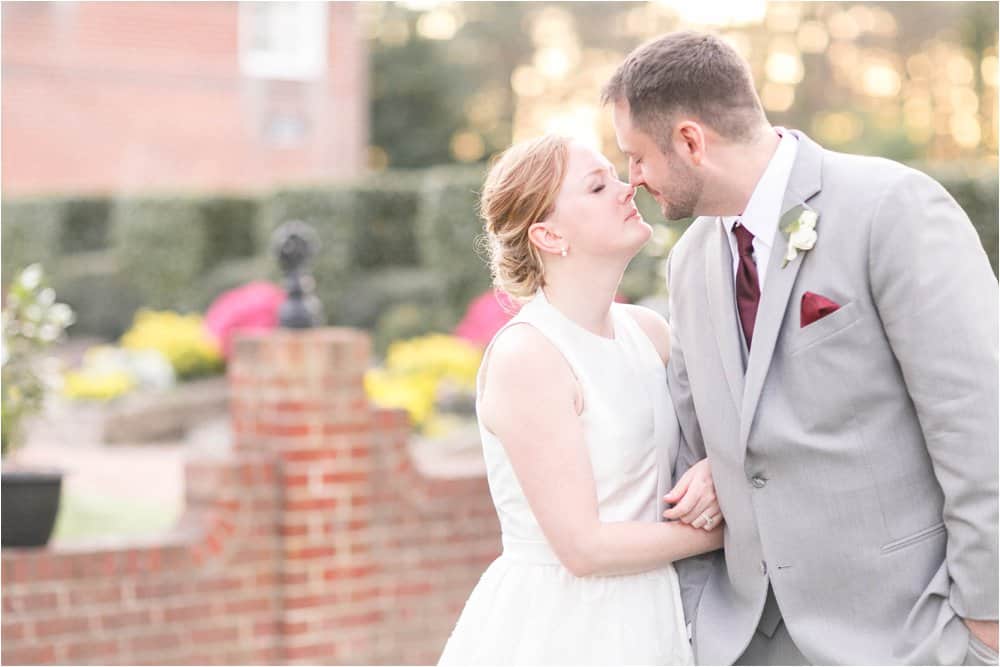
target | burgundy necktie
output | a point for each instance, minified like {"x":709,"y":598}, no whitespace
{"x":747,"y":287}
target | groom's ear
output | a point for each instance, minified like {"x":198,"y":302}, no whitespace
{"x":689,"y":141}
{"x":546,"y":238}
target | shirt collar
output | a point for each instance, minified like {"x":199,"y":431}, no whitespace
{"x":761,"y":214}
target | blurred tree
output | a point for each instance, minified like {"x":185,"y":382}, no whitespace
{"x":457,"y":81}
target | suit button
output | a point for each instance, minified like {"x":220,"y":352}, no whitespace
{"x":763,"y":568}
{"x":758,"y":482}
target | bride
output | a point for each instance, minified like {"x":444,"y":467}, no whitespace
{"x":578,"y":431}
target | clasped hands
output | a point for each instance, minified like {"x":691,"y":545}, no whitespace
{"x":694,"y":500}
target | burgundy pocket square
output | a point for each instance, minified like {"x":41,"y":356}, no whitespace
{"x":815,"y":307}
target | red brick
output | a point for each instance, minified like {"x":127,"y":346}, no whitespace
{"x":52,"y":567}
{"x":209,"y":635}
{"x":284,"y":430}
{"x":267,"y":579}
{"x":252,"y":605}
{"x":213,"y":544}
{"x":355,"y":572}
{"x":311,"y":504}
{"x":95,"y":596}
{"x":118,"y":619}
{"x":30,"y":602}
{"x":91,"y":649}
{"x":289,"y":628}
{"x":28,"y":655}
{"x":188,"y":612}
{"x":267,"y":628}
{"x":323,"y":653}
{"x":60,"y":626}
{"x":13,"y":631}
{"x":264,"y":656}
{"x":310,"y":454}
{"x":216,"y":584}
{"x":311,"y":552}
{"x":346,"y":428}
{"x":344,"y":477}
{"x":293,"y":530}
{"x":352,"y":620}
{"x":306,"y":601}
{"x":159,"y":589}
{"x":159,"y":641}
{"x":418,"y":588}
{"x":296,"y":480}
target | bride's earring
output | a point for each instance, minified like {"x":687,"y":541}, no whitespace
{"x":563,"y":253}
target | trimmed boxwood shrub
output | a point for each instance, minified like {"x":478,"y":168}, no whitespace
{"x":30,"y":233}
{"x":448,"y":228}
{"x":159,"y":244}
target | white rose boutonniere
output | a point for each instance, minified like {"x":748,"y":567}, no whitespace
{"x":800,"y":226}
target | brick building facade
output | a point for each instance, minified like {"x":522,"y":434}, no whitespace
{"x":128,"y":96}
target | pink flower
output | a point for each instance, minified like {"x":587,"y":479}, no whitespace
{"x":484,"y":317}
{"x":252,"y":307}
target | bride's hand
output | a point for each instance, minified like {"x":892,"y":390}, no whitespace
{"x":693,"y":498}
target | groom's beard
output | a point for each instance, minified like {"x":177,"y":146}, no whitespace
{"x":686,"y":189}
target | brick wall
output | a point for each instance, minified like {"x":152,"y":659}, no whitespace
{"x":126,"y":96}
{"x":315,"y":542}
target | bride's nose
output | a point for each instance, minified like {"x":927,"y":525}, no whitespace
{"x":628,"y":193}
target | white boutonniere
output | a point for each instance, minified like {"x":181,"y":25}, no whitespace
{"x":800,"y":226}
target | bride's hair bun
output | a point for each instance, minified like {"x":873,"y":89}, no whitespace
{"x":520,"y":190}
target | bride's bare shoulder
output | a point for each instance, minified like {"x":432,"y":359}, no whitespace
{"x":523,"y":355}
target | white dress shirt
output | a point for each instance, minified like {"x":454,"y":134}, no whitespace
{"x":763,"y":211}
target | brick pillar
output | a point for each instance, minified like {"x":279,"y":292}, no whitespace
{"x":299,"y":395}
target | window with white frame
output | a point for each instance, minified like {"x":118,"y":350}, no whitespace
{"x":283,"y":40}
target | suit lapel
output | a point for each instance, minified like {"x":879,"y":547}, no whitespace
{"x":803,"y":184}
{"x":722,"y":309}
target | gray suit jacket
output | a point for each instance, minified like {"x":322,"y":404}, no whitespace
{"x":855,"y":459}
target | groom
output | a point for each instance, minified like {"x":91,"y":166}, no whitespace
{"x":835,"y":357}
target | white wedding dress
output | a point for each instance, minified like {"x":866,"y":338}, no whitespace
{"x":527,"y":609}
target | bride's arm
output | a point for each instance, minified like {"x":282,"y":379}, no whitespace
{"x":531,"y":401}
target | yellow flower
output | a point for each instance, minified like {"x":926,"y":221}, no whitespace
{"x":414,"y":370}
{"x":181,"y":338}
{"x":94,"y":385}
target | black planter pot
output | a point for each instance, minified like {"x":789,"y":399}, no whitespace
{"x":30,"y":504}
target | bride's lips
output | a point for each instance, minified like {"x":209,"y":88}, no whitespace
{"x":634,"y":213}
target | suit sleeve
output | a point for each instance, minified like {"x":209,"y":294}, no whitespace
{"x":937,"y":298}
{"x":692,"y":572}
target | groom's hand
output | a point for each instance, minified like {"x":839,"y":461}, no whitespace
{"x":693,"y":498}
{"x":985,"y":631}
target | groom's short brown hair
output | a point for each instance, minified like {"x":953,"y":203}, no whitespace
{"x":691,"y":72}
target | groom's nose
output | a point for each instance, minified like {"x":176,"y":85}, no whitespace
{"x":635,"y":174}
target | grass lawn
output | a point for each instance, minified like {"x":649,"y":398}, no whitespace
{"x":87,"y":516}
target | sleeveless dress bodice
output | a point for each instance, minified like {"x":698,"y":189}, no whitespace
{"x":527,"y":608}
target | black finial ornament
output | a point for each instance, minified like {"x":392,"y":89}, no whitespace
{"x":295,"y":243}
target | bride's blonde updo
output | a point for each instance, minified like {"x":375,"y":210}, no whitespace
{"x":520,"y":190}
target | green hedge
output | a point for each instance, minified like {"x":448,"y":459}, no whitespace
{"x":230,"y":229}
{"x":448,"y":228}
{"x":86,"y":225}
{"x":29,"y":233}
{"x":104,"y":298}
{"x":398,"y":238}
{"x":977,"y":194}
{"x":159,"y":244}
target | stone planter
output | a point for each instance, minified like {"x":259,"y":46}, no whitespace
{"x":30,"y":504}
